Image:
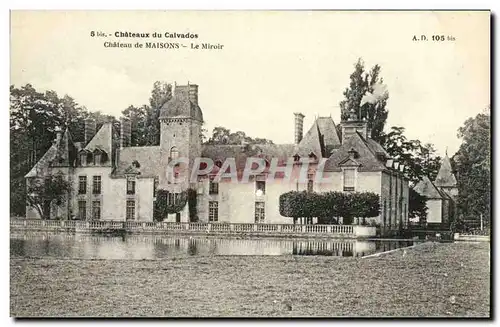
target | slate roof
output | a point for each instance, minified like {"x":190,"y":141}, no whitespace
{"x":427,"y":188}
{"x":321,"y":138}
{"x":102,"y":139}
{"x":62,"y":153}
{"x":179,"y":106}
{"x":148,"y":158}
{"x":445,"y":176}
{"x":367,"y":154}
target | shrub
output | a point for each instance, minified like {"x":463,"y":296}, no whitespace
{"x":163,"y":208}
{"x":327,"y":206}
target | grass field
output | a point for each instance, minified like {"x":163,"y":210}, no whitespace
{"x":449,"y":280}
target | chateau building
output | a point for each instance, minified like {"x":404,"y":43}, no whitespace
{"x":114,"y":181}
{"x":441,"y":195}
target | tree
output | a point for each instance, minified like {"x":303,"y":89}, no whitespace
{"x":417,"y":206}
{"x":222,"y":135}
{"x":472,"y":162}
{"x":138,"y":120}
{"x":161,"y":93}
{"x":43,"y":192}
{"x":34,"y":117}
{"x":164,"y":206}
{"x":419,"y":160}
{"x":366,"y":96}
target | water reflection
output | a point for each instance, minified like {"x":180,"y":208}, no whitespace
{"x":137,"y":247}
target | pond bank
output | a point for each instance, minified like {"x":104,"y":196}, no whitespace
{"x":421,"y":283}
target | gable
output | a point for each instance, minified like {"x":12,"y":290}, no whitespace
{"x":365,"y":157}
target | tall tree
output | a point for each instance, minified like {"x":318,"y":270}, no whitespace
{"x":138,"y":119}
{"x":366,"y":96}
{"x":472,"y":162}
{"x":161,"y":93}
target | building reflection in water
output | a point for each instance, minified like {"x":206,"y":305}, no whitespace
{"x":138,"y":247}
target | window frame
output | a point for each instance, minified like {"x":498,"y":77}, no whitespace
{"x":94,"y":207}
{"x":263,"y":182}
{"x":354,"y":179}
{"x":260,"y":212}
{"x":213,"y":187}
{"x":213,"y":211}
{"x":130,"y":210}
{"x":84,"y":207}
{"x":84,"y":190}
{"x":97,"y":181}
{"x":132,"y":190}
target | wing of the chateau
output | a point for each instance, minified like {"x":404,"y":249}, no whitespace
{"x":115,"y":181}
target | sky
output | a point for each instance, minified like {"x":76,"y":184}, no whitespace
{"x":272,"y":64}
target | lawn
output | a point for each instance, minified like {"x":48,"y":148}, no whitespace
{"x":447,"y":279}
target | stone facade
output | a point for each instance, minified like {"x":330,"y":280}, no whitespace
{"x":128,"y":177}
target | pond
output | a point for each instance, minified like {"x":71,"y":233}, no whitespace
{"x":139,"y":247}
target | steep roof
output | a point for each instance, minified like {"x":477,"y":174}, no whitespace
{"x":180,"y":106}
{"x":62,"y":153}
{"x":366,"y":155}
{"x":102,"y":140}
{"x":427,"y":188}
{"x":445,"y":176}
{"x":148,"y":158}
{"x":321,"y":138}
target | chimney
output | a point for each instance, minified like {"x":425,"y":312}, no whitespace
{"x":352,"y":125}
{"x":90,"y":129}
{"x":299,"y":126}
{"x":193,"y":93}
{"x":125,"y":132}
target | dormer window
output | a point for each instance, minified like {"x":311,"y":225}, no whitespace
{"x":83,"y":158}
{"x":97,"y":158}
{"x":353,"y":154}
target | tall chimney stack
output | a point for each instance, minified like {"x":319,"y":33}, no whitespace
{"x":299,"y":126}
{"x":125,"y":132}
{"x":193,"y":93}
{"x":90,"y":129}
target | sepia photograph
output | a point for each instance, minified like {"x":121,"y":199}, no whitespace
{"x":250,"y":164}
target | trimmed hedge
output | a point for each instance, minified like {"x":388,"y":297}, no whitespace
{"x":330,"y":205}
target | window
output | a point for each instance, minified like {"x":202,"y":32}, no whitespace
{"x":82,"y":184}
{"x":82,"y":210}
{"x":260,"y":213}
{"x":83,"y":159}
{"x":155,"y":186}
{"x":172,"y":198}
{"x":213,"y":188}
{"x":130,"y":185}
{"x":96,"y":210}
{"x":260,"y":188}
{"x":174,"y":153}
{"x":130,"y":210}
{"x":96,"y":185}
{"x":213,"y":211}
{"x":97,"y":158}
{"x":310,"y":183}
{"x":349,"y":179}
